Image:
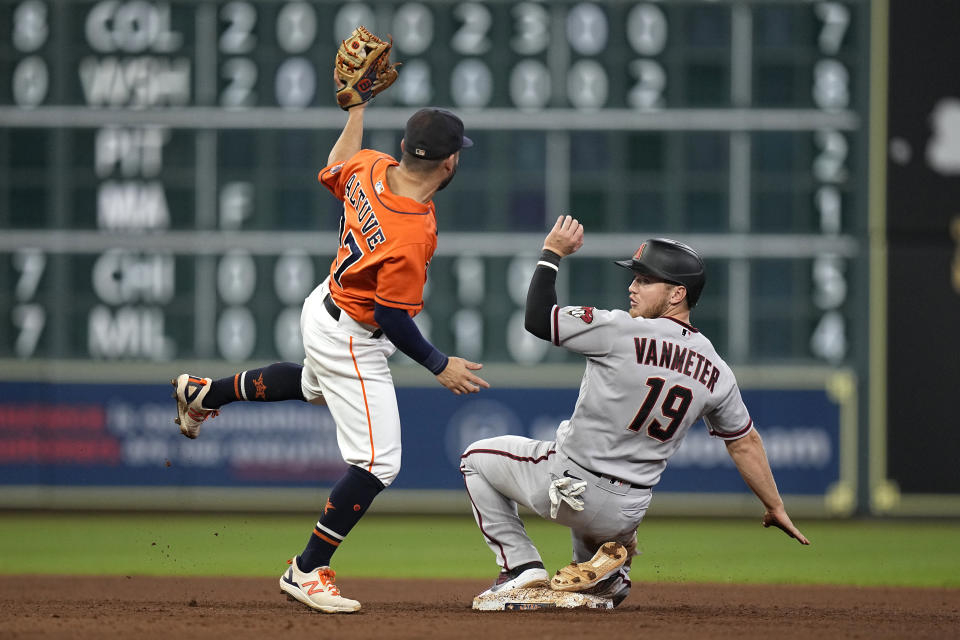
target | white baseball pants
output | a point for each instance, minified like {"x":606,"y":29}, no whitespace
{"x":349,"y":370}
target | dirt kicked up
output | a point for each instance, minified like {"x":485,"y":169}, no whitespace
{"x":146,"y":607}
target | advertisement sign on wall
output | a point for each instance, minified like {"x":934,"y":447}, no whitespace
{"x":124,"y":435}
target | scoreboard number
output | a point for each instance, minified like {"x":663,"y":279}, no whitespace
{"x":158,"y":161}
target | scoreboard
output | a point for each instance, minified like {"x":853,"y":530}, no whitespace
{"x":158,"y":162}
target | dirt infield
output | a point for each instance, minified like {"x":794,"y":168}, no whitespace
{"x":141,"y":607}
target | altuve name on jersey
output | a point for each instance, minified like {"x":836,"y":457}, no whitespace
{"x":370,"y":226}
{"x":669,"y":355}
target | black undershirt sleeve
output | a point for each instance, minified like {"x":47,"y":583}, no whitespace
{"x":401,"y":330}
{"x":542,"y":295}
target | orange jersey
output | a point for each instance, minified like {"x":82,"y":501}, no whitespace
{"x":386,"y":240}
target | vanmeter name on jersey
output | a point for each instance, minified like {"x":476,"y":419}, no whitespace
{"x":673,"y":356}
{"x":355,"y":195}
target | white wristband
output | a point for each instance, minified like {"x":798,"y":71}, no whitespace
{"x":544,"y":263}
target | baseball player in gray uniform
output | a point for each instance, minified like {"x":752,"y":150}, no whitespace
{"x":649,"y":376}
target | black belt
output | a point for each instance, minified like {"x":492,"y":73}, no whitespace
{"x":610,"y":479}
{"x":335,"y":312}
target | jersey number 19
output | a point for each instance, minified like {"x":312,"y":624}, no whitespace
{"x":674,"y":407}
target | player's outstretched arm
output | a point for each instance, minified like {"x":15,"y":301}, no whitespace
{"x":351,"y":138}
{"x":458,"y":376}
{"x":454,"y":373}
{"x":750,"y":458}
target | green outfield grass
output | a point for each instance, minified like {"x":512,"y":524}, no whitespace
{"x":904,"y":553}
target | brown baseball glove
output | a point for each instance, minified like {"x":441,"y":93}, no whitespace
{"x":363,"y":68}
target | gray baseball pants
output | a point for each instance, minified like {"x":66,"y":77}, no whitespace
{"x":503,"y":472}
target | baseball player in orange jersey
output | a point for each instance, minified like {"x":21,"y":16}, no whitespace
{"x":351,"y":323}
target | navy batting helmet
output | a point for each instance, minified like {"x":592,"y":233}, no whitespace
{"x":671,"y":261}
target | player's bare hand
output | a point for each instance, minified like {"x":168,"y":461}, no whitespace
{"x":458,"y":376}
{"x":566,"y":237}
{"x":778,"y":518}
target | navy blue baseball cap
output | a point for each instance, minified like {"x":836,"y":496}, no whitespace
{"x":433,"y":133}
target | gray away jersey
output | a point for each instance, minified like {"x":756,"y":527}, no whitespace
{"x":645,"y":383}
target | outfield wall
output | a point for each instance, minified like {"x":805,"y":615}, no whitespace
{"x":109,"y":445}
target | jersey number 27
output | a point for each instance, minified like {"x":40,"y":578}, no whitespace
{"x":674,"y":407}
{"x":356,"y":252}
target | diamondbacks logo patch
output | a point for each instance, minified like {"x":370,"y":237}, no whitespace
{"x":584,"y":313}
